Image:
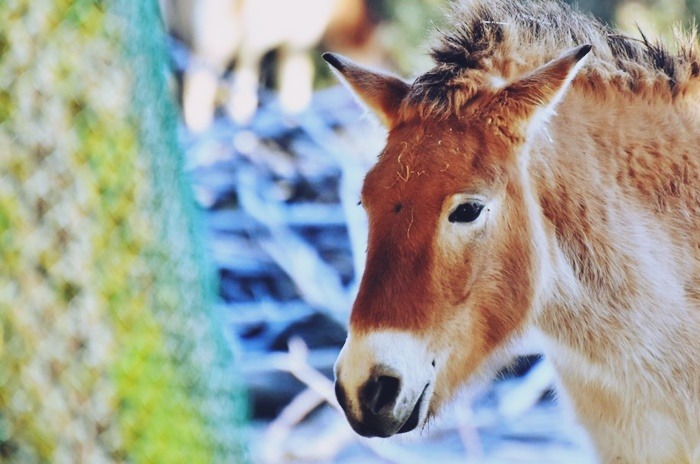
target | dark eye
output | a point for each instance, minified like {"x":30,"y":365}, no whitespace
{"x":466,"y":212}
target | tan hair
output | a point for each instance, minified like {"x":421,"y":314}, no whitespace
{"x":504,"y":39}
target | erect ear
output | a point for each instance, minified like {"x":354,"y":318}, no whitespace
{"x":537,"y":94}
{"x":382,"y":93}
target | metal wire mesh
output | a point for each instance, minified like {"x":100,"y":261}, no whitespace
{"x":108,"y":349}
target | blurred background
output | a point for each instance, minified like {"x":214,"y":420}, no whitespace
{"x":181,"y":240}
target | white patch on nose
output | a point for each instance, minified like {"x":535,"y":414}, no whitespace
{"x":400,"y":352}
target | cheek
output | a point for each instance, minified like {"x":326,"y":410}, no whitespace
{"x":455,"y":283}
{"x":456,"y":268}
{"x":487,"y":286}
{"x":505,"y":287}
{"x":465,"y":251}
{"x":460,"y":349}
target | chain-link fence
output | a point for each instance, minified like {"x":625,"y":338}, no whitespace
{"x":109,"y":351}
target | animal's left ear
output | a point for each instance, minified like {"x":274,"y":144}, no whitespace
{"x":537,"y":94}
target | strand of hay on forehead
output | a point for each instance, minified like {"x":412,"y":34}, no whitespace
{"x":502,"y":39}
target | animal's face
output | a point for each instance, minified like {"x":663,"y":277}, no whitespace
{"x":448,"y":275}
{"x":452,"y":258}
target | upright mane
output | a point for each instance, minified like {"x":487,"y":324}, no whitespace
{"x":501,"y":39}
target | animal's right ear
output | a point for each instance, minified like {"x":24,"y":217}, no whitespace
{"x":381,"y":93}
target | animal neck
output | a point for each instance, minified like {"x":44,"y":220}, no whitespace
{"x":609,"y":191}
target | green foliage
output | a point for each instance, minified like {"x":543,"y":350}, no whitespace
{"x":107,"y":349}
{"x":412,"y":26}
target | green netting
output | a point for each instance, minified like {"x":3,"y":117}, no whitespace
{"x":109,"y":350}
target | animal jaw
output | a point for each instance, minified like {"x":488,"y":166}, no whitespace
{"x":545,"y":200}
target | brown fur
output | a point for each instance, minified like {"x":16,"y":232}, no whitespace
{"x":594,"y":234}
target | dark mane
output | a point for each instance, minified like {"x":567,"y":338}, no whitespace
{"x":505,"y":38}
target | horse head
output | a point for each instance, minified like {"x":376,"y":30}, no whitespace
{"x":458,"y":249}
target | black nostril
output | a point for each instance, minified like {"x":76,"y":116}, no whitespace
{"x":380,"y":392}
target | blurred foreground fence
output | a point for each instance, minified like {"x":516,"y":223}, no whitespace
{"x":109,"y":349}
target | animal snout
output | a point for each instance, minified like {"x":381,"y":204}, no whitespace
{"x":385,"y":382}
{"x":379,"y":415}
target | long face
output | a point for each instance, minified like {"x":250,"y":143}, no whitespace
{"x":448,"y":274}
{"x":456,"y":245}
